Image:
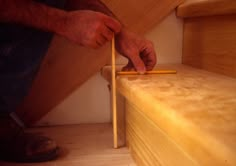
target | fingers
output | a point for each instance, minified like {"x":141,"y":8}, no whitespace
{"x":107,"y":33}
{"x":103,"y":35}
{"x":137,"y":62}
{"x":128,"y":67}
{"x":148,"y":55}
{"x":141,"y":59}
{"x":106,"y":30}
{"x":113,"y":24}
{"x":101,"y":40}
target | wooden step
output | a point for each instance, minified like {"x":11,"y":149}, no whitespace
{"x":209,"y":43}
{"x":187,"y":118}
{"x":209,"y":40}
{"x":195,"y":8}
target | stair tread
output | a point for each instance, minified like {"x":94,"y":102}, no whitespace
{"x":194,"y":107}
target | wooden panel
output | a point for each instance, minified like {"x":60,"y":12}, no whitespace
{"x":209,"y":43}
{"x":83,"y":145}
{"x":65,"y":68}
{"x":194,"y":108}
{"x":153,"y":145}
{"x":142,"y":15}
{"x":193,"y":8}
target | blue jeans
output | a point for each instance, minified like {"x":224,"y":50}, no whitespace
{"x":19,"y":63}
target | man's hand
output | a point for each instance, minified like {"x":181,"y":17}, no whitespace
{"x":140,"y":52}
{"x":89,"y":28}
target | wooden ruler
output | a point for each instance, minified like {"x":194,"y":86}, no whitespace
{"x":147,"y":72}
{"x":113,"y":91}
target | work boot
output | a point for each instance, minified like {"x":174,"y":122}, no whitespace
{"x":19,"y":146}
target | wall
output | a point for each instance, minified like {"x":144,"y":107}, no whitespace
{"x":90,"y":103}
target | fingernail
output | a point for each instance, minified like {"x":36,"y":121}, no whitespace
{"x":143,"y":71}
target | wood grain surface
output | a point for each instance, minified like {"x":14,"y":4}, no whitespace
{"x":194,"y":108}
{"x":153,"y":146}
{"x":141,"y":16}
{"x":195,"y":8}
{"x":209,"y":43}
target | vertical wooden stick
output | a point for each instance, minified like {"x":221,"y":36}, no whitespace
{"x":113,"y":65}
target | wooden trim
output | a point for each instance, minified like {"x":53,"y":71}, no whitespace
{"x":195,"y":8}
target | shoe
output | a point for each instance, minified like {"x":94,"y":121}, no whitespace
{"x":19,"y":146}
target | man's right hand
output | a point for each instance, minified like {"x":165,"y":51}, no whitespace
{"x":89,"y":28}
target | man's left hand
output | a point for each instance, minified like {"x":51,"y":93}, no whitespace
{"x":140,"y":52}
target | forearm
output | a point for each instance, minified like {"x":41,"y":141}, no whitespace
{"x":31,"y":13}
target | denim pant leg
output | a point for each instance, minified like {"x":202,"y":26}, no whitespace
{"x":18,"y":68}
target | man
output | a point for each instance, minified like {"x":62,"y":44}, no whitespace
{"x":26,"y":28}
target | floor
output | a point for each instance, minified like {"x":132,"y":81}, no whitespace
{"x":83,"y":145}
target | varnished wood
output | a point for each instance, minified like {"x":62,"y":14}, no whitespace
{"x":209,"y":43}
{"x":140,"y":16}
{"x":113,"y":92}
{"x":193,"y":108}
{"x":194,"y":8}
{"x":147,"y":72}
{"x":83,"y":145}
{"x":153,"y":145}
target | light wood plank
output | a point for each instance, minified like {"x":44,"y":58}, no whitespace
{"x":158,"y":148}
{"x":141,"y":16}
{"x":83,"y":145}
{"x":194,"y":108}
{"x":195,"y":8}
{"x":113,"y":93}
{"x":209,"y":43}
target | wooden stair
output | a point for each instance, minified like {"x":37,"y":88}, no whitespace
{"x":210,"y":35}
{"x":187,"y":119}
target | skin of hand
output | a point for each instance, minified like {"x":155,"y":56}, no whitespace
{"x":140,"y":52}
{"x":85,"y":27}
{"x":89,"y":28}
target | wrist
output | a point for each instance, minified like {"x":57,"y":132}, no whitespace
{"x":57,"y":21}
